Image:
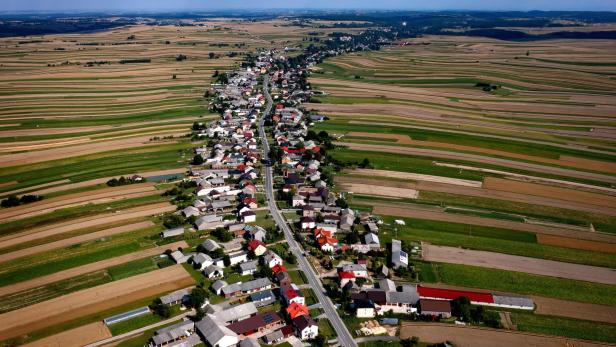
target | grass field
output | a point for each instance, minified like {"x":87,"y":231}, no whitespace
{"x":559,"y":326}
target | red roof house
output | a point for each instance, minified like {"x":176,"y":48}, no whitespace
{"x":295,"y":310}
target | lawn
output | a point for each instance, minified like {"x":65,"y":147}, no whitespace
{"x":326,"y":329}
{"x":310,"y":297}
{"x":560,"y":326}
{"x":523,"y":283}
{"x":132,"y":268}
{"x":298,"y":277}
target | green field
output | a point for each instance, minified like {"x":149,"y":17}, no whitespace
{"x":574,"y":328}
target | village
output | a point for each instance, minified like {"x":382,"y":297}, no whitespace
{"x":248,"y":295}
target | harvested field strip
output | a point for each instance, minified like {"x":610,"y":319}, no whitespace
{"x":369,"y":189}
{"x":567,"y":242}
{"x":77,"y":337}
{"x":527,"y":284}
{"x":415,"y":177}
{"x":466,"y":336}
{"x":479,"y":159}
{"x":102,"y":219}
{"x":94,"y":197}
{"x":414,"y":211}
{"x":78,"y":150}
{"x":507,"y":262}
{"x":73,"y":240}
{"x":577,"y":310}
{"x":92,"y":300}
{"x":548,"y":191}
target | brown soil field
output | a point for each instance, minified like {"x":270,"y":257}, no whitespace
{"x":74,"y":240}
{"x":548,"y":191}
{"x":479,"y":159}
{"x":91,"y":197}
{"x":577,"y":310}
{"x":369,"y":189}
{"x":412,"y":211}
{"x":86,"y":222}
{"x":567,"y":242}
{"x":73,"y":151}
{"x":516,"y":263}
{"x":466,"y":336}
{"x":92,"y":300}
{"x":568,"y":161}
{"x":415,"y":177}
{"x":76,"y":337}
{"x":92,"y":267}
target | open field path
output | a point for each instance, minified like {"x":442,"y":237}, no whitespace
{"x":92,"y":267}
{"x":85,"y":222}
{"x":73,"y":240}
{"x":78,"y":150}
{"x":594,"y":241}
{"x":479,"y":159}
{"x":92,"y":300}
{"x":444,"y":254}
{"x":76,"y":337}
{"x":467,"y":336}
{"x":98,"y":196}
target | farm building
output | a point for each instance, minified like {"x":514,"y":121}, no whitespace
{"x":435,"y":308}
{"x":172,"y":232}
{"x":256,"y":324}
{"x":173,"y":333}
{"x":127,"y":315}
{"x":174,"y":298}
{"x":215,"y":333}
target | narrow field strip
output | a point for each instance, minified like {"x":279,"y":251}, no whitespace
{"x":100,"y":265}
{"x":86,"y":222}
{"x":92,"y":300}
{"x":415,"y":177}
{"x":92,"y":197}
{"x":73,"y":240}
{"x":453,"y":255}
{"x":576,"y":310}
{"x":76,"y":337}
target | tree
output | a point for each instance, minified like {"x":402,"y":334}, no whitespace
{"x":197,"y":297}
{"x":226,"y":260}
{"x":412,"y":342}
{"x":197,"y":160}
{"x":11,"y":201}
{"x":340,"y":202}
{"x":352,"y":237}
{"x":222,"y":235}
{"x":319,"y":341}
{"x":160,"y":309}
{"x":211,"y":55}
{"x":461,"y":308}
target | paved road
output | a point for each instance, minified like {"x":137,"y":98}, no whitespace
{"x":344,"y":337}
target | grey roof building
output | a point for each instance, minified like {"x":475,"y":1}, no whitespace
{"x":218,"y":286}
{"x":175,"y":297}
{"x":173,"y":333}
{"x":210,"y":245}
{"x":172,"y":232}
{"x":215,"y":333}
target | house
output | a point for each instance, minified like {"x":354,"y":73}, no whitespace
{"x":345,"y":277}
{"x":327,"y":244}
{"x":209,"y":222}
{"x":218,"y":286}
{"x":329,"y":227}
{"x":249,"y":217}
{"x":308,"y":211}
{"x":262,"y":298}
{"x":387,"y":285}
{"x":398,"y":256}
{"x":372,"y":239}
{"x":283,"y":278}
{"x":248,"y":268}
{"x":172,"y":232}
{"x":364,"y":308}
{"x":210,"y":245}
{"x":357,"y":269}
{"x":249,"y":342}
{"x":307,"y":222}
{"x":237,"y":229}
{"x":176,"y":332}
{"x":256,"y":285}
{"x":271,"y":259}
{"x":274,"y":337}
{"x":279,"y":268}
{"x":347,"y":218}
{"x":295,"y":310}
{"x":202,"y":261}
{"x":179,"y":257}
{"x":257,"y":247}
{"x":435,"y":308}
{"x":306,"y":327}
{"x":191,"y":211}
{"x":227,"y":315}
{"x":256,"y":324}
{"x":297,"y":201}
{"x":238,"y":257}
{"x":174,"y":298}
{"x":400,"y":302}
{"x":291,"y":294}
{"x":213,"y":271}
{"x":256,"y":232}
{"x":215,"y":333}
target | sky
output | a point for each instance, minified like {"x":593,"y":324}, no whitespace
{"x":190,"y":5}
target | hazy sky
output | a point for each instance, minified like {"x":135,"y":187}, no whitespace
{"x":180,"y":5}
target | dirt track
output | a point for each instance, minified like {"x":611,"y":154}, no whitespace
{"x":464,"y":336}
{"x":98,"y":196}
{"x":577,"y":310}
{"x":77,"y":337}
{"x":100,"y":265}
{"x":85,"y":222}
{"x":479,"y":159}
{"x":437,"y":214}
{"x":73,"y":240}
{"x":548,"y":191}
{"x":508,"y":262}
{"x":92,"y":300}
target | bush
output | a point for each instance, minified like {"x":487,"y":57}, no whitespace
{"x":173,"y":221}
{"x":180,"y":57}
{"x":13,"y":200}
{"x":198,"y":160}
